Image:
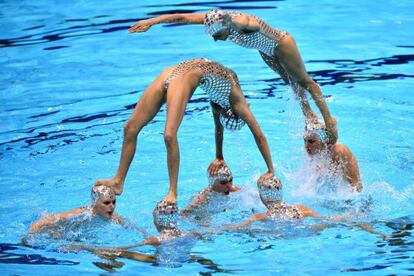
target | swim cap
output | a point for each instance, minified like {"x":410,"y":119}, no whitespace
{"x":99,"y":191}
{"x":270,"y":190}
{"x":213,"y":21}
{"x":223,"y":173}
{"x":165,"y":214}
{"x":318,"y":128}
{"x":231,"y":121}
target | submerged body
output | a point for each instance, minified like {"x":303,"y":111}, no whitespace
{"x":57,"y":225}
{"x":334,"y":163}
{"x":214,"y":198}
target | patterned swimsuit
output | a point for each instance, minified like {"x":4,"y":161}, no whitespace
{"x":265,"y":40}
{"x":285,"y":211}
{"x":217,"y":81}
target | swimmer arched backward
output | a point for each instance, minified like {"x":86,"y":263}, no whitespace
{"x":277,"y":48}
{"x":175,"y":86}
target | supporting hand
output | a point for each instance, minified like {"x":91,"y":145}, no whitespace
{"x":265,"y":177}
{"x":118,"y":186}
{"x":215,"y":165}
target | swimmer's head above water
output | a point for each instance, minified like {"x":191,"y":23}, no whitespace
{"x":222,"y":182}
{"x":103,"y":201}
{"x":165,"y":216}
{"x":215,"y":26}
{"x":316,"y":138}
{"x":270,"y":191}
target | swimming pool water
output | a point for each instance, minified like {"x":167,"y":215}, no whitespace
{"x":71,"y":75}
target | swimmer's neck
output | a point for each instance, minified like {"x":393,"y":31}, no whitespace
{"x":170,"y":231}
{"x":275,"y":205}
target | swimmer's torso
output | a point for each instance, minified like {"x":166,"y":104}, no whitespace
{"x":284,"y":211}
{"x":216,"y":80}
{"x":265,"y":40}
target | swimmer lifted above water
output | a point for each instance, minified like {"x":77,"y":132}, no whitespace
{"x":277,"y":48}
{"x":175,"y":86}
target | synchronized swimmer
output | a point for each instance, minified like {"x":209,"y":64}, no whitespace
{"x":277,"y":48}
{"x":175,"y":86}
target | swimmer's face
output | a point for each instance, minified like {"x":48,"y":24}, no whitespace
{"x":105,"y":206}
{"x":313,"y":144}
{"x":223,"y":34}
{"x":224,"y":186}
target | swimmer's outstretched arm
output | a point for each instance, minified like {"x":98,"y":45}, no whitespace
{"x":50,"y":221}
{"x":188,"y":18}
{"x":112,"y":253}
{"x":250,"y":220}
{"x":155,"y":241}
{"x":338,"y":219}
{"x":241,"y":108}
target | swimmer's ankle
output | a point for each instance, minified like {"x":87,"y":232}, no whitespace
{"x":171,"y":197}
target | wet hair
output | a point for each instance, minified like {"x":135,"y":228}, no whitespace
{"x":99,"y":191}
{"x":231,"y":121}
{"x":223,"y":173}
{"x":318,"y":128}
{"x":213,"y":21}
{"x":165,"y":214}
{"x":270,"y":190}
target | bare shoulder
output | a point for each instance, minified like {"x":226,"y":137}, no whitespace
{"x":261,"y":216}
{"x":306,"y":211}
{"x":340,"y":151}
{"x":67,"y":214}
{"x":76,"y":211}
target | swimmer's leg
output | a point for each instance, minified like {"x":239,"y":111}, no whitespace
{"x":147,"y":107}
{"x":290,"y":59}
{"x":178,"y":94}
{"x":274,"y":64}
{"x":138,"y":257}
{"x":109,"y":266}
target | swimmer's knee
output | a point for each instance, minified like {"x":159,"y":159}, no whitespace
{"x":170,"y":138}
{"x":306,"y":82}
{"x":131,"y":129}
{"x":310,"y":85}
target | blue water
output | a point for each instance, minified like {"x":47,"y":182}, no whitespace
{"x":70,"y":75}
